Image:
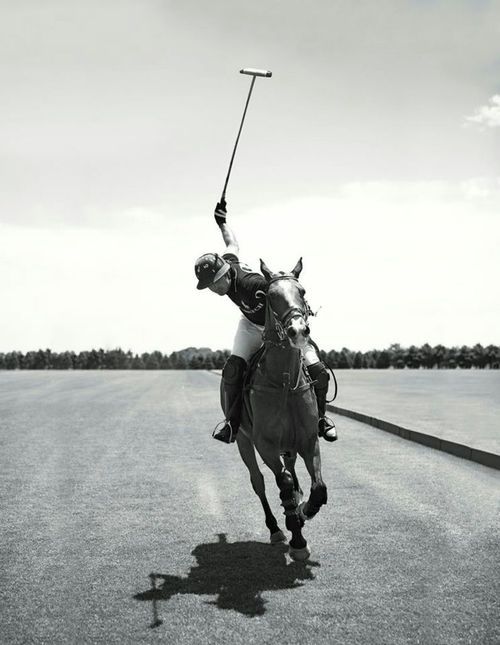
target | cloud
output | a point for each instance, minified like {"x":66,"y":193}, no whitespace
{"x":488,"y":115}
{"x":408,"y":262}
{"x":482,"y":188}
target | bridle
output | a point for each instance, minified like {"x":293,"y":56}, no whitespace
{"x":275,"y":335}
{"x":279,"y":324}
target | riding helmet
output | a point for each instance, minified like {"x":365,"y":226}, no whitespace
{"x":209,"y":268}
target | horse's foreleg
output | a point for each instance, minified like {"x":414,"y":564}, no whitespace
{"x":298,"y":546}
{"x":318,"y":495}
{"x":290,"y":466}
{"x":247,"y":452}
{"x":269,"y":452}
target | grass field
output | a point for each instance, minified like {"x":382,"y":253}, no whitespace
{"x":106,"y":478}
{"x":458,"y":405}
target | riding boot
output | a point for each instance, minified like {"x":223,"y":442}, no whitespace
{"x":232,"y":383}
{"x":319,"y":374}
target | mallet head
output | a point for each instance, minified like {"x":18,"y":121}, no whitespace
{"x":256,"y":72}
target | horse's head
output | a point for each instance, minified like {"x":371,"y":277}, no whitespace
{"x":286,"y":304}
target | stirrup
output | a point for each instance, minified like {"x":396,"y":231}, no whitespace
{"x":329,"y":433}
{"x":220,"y":435}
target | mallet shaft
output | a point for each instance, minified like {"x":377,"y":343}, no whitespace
{"x":253,"y":73}
{"x":237,"y":139}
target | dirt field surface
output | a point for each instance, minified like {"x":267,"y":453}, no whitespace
{"x":108,"y":477}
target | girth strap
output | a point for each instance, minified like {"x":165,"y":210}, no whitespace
{"x":295,"y":390}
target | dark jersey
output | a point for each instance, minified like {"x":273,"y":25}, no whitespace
{"x":247,"y":290}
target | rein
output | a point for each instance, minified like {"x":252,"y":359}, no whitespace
{"x":278,"y":327}
{"x":275,"y":335}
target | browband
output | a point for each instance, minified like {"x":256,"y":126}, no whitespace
{"x":282,"y":277}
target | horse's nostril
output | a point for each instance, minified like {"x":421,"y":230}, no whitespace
{"x":291,"y":332}
{"x":307,"y":330}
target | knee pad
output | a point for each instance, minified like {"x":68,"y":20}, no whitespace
{"x":319,"y":373}
{"x":234,"y":370}
{"x":285,"y":484}
{"x":285,"y":480}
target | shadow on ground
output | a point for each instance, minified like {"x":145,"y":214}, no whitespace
{"x":237,"y":573}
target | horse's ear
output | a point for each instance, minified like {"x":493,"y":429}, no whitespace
{"x":297,"y":268}
{"x":266,"y":272}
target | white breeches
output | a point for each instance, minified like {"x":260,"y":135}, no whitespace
{"x":248,"y":339}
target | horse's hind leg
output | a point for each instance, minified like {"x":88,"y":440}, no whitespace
{"x":247,"y":452}
{"x":318,"y":495}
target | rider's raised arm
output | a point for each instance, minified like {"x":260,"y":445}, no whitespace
{"x":229,"y":239}
{"x":228,"y":236}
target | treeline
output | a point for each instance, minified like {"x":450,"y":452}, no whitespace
{"x":396,"y":357}
{"x":425,"y":357}
{"x":115,"y":359}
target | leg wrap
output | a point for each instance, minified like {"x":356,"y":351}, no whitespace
{"x":232,"y":383}
{"x":285,"y":484}
{"x":319,"y":373}
{"x":293,"y":521}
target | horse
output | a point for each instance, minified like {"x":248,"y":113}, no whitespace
{"x":279,"y":410}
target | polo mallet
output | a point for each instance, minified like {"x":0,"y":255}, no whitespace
{"x":253,"y":73}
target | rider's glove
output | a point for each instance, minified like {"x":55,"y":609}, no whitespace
{"x":220,"y":212}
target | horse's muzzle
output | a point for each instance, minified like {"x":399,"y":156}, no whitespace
{"x":297,"y":329}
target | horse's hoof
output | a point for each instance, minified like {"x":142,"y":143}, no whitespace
{"x":299,"y":555}
{"x":278,"y":537}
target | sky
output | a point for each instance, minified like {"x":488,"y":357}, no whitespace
{"x":372,"y":152}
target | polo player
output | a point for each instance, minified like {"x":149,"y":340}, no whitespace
{"x":227,"y":276}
